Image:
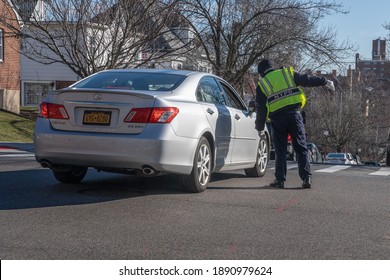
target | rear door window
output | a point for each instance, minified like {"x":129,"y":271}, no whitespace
{"x":209,"y":91}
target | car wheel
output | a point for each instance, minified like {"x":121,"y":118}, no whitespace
{"x":261,"y":160}
{"x":197,"y":181}
{"x":72,"y":176}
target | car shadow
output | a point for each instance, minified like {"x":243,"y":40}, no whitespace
{"x":288,"y":188}
{"x":38,"y":188}
{"x":266,"y":187}
{"x":215,"y":177}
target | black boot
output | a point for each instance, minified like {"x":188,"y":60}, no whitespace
{"x":277,"y":184}
{"x":307,"y":183}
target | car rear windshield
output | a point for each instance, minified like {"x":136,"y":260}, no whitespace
{"x":336,"y":155}
{"x":132,"y":81}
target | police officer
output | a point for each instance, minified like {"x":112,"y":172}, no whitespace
{"x":280,"y":98}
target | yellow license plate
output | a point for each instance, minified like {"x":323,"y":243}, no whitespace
{"x":97,"y":117}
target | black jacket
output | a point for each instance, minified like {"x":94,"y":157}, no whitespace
{"x":304,"y":80}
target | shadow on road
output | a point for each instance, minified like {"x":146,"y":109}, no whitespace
{"x":38,"y":188}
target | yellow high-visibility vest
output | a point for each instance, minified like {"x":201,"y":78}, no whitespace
{"x":281,"y":90}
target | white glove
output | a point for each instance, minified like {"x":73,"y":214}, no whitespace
{"x":261,"y":133}
{"x":329,"y":84}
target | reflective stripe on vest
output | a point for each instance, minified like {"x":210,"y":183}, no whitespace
{"x":281,"y":90}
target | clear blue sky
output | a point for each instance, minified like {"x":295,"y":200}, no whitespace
{"x":362,"y":24}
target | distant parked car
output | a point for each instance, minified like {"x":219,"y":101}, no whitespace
{"x":339,"y":158}
{"x":315,"y":155}
{"x":371,"y":163}
{"x":290,"y":153}
{"x":149,"y":121}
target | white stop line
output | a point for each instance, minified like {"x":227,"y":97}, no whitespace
{"x":384,"y":171}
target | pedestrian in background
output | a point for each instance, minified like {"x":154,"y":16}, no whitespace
{"x":280,"y":98}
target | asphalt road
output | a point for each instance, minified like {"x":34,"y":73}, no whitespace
{"x":345,"y":215}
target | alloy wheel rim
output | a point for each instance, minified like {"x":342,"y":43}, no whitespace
{"x":203,"y":165}
{"x":262,"y":156}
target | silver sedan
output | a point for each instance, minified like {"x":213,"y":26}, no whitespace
{"x":149,"y":121}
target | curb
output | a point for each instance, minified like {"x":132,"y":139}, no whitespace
{"x":24,"y":147}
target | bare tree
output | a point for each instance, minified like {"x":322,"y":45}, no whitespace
{"x":355,"y":118}
{"x":235,"y":34}
{"x":90,"y":35}
{"x":378,"y":128}
{"x":336,"y":119}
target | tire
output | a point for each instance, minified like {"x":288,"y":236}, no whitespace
{"x":261,"y":160}
{"x":72,"y":176}
{"x":200,"y":175}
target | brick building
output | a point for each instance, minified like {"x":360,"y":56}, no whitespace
{"x":9,"y":57}
{"x":376,"y":68}
{"x":374,"y":75}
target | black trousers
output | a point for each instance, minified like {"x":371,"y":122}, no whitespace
{"x":284,"y":123}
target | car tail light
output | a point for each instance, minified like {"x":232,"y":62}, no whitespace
{"x":152,"y":115}
{"x":52,"y":111}
{"x":289,"y":138}
{"x":138,"y":115}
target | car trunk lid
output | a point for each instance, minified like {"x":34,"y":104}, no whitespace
{"x":102,"y":111}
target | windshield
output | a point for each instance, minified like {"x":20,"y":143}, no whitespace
{"x":132,"y":81}
{"x":336,"y":155}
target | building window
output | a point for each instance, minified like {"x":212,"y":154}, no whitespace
{"x":35,"y":92}
{"x":1,"y":45}
{"x":92,"y":44}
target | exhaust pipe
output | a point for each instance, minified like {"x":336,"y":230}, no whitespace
{"x":45,"y":164}
{"x":148,"y":171}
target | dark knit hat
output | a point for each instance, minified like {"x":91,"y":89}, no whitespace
{"x":264,"y":66}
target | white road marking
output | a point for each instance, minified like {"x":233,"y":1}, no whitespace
{"x":333,"y":169}
{"x":292,"y":166}
{"x":384,"y":171}
{"x":289,"y":166}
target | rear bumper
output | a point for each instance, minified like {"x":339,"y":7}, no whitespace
{"x":157,"y":146}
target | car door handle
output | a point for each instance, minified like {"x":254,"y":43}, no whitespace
{"x":210,"y":111}
{"x":237,"y":117}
